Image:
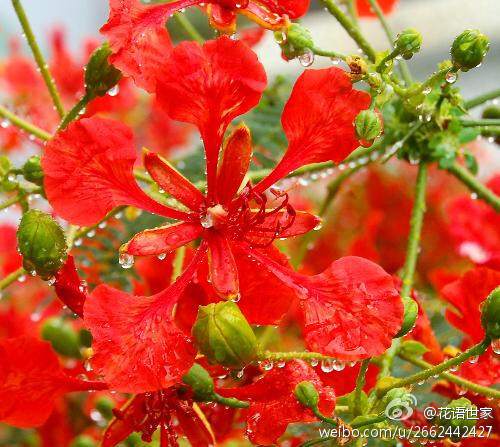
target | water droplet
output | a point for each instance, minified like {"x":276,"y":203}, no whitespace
{"x":327,"y":365}
{"x":126,"y":260}
{"x":162,"y":256}
{"x":207,"y":221}
{"x":22,"y":278}
{"x":113,"y":91}
{"x":314,"y":362}
{"x":267,"y":365}
{"x":461,"y":392}
{"x":335,"y":60}
{"x":341,"y":166}
{"x":338,"y":366}
{"x":236,"y":298}
{"x":495,"y":345}
{"x":318,"y":226}
{"x":51,"y":281}
{"x":427,"y":90}
{"x":91,"y":233}
{"x":32,"y":273}
{"x":83,"y":111}
{"x":11,"y":177}
{"x":306,"y":59}
{"x":451,"y":77}
{"x":474,"y":359}
{"x":473,"y":196}
{"x":77,"y":242}
{"x":454,"y":368}
{"x":303,"y":181}
{"x":103,"y":225}
{"x":4,"y":124}
{"x":421,"y":382}
{"x":280,"y":364}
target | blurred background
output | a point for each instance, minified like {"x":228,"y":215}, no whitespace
{"x":439,"y":21}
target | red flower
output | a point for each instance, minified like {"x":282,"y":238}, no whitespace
{"x":69,"y":288}
{"x":365,"y":10}
{"x":31,"y":379}
{"x":475,"y":226}
{"x":273,"y":404}
{"x":89,"y":170}
{"x":146,"y":412}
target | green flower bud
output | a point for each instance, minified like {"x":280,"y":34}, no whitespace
{"x":491,"y":112}
{"x":42,"y":243}
{"x":410,"y":316}
{"x":463,"y":424}
{"x":100,"y":75}
{"x":32,"y":170}
{"x":5,"y":167}
{"x":299,"y":37}
{"x":368,"y":127}
{"x":224,"y":336}
{"x":83,"y":441}
{"x":469,"y":49}
{"x":61,"y":335}
{"x":307,"y":394}
{"x":490,"y":315}
{"x":201,"y":383}
{"x":395,"y":395}
{"x":408,"y":43}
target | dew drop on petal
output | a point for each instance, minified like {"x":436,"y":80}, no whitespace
{"x":162,"y":256}
{"x":126,"y":260}
{"x":327,"y":365}
{"x":267,"y":365}
{"x":113,"y":91}
{"x":4,"y":124}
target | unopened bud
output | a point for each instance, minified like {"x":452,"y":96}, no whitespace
{"x":200,"y":382}
{"x":42,"y":243}
{"x":447,"y":420}
{"x":299,"y":37}
{"x":100,"y":75}
{"x":357,"y":66}
{"x":307,"y":394}
{"x":490,"y":315}
{"x":469,"y":49}
{"x":408,"y":43}
{"x":62,"y":337}
{"x":368,"y":127}
{"x":32,"y":170}
{"x":224,"y":336}
{"x":410,"y":316}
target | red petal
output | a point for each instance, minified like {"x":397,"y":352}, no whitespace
{"x":89,"y":170}
{"x":138,"y":347}
{"x":465,"y":295}
{"x":365,"y":10}
{"x":162,"y":239}
{"x":234,"y":164}
{"x":293,"y":8}
{"x":220,"y":80}
{"x":139,"y":39}
{"x":173,"y":182}
{"x":193,"y":424}
{"x":273,"y":403}
{"x":351,"y":310}
{"x":223,"y":269}
{"x":69,"y":288}
{"x":31,"y":379}
{"x":318,"y":121}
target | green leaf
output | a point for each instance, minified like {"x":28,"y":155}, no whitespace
{"x":412,"y":347}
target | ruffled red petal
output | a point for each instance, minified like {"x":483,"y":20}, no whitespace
{"x":465,"y":295}
{"x":318,"y":121}
{"x":222,"y":266}
{"x":69,"y":288}
{"x":138,"y":347}
{"x":293,"y":8}
{"x":220,"y":80}
{"x":235,"y":160}
{"x":162,"y":239}
{"x":351,"y":310}
{"x":173,"y":182}
{"x":273,"y":404}
{"x":89,"y":170}
{"x":31,"y":379}
{"x":139,"y":39}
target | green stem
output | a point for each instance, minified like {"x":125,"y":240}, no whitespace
{"x":9,"y":202}
{"x":479,"y":123}
{"x":429,"y":82}
{"x":331,"y":54}
{"x":44,"y":70}
{"x":230,"y":401}
{"x":350,"y":27}
{"x":24,"y":125}
{"x":188,"y":27}
{"x":416,"y":221}
{"x":463,"y":383}
{"x":11,"y":277}
{"x":481,"y":99}
{"x":352,"y":7}
{"x":75,"y":111}
{"x":180,"y":254}
{"x":287,"y":356}
{"x":360,"y":383}
{"x":476,"y":186}
{"x":324,"y":418}
{"x":403,"y":66}
{"x":438,"y":369}
{"x":83,"y":231}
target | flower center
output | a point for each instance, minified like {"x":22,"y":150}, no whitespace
{"x":215,"y":216}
